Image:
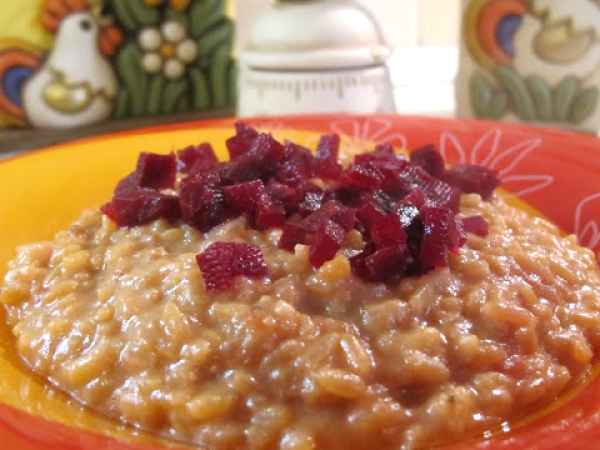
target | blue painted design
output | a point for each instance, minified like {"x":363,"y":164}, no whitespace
{"x":12,"y":83}
{"x":505,"y":33}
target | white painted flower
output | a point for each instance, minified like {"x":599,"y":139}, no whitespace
{"x":168,"y":50}
{"x":488,"y":152}
{"x":587,"y":227}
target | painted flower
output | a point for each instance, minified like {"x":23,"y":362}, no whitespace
{"x":177,"y":5}
{"x":587,"y":227}
{"x":489,"y":152}
{"x":168,"y":49}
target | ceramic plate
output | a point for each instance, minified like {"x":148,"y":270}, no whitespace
{"x":557,"y":173}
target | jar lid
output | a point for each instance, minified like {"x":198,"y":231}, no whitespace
{"x":315,"y":34}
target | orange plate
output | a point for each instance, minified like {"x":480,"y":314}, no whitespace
{"x":556,"y":172}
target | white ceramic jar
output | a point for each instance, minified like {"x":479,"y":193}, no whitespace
{"x":315,"y":56}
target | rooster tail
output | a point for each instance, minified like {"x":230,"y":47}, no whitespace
{"x":16,"y":66}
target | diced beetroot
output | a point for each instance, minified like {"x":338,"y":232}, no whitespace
{"x":296,"y":166}
{"x":407,"y":214}
{"x":260,"y":161}
{"x":293,"y":234}
{"x":157,"y":171}
{"x":242,"y":141}
{"x":473,"y":179}
{"x":269,"y":214}
{"x":415,"y":197}
{"x":438,"y":192}
{"x":203,"y":202}
{"x":476,"y":225}
{"x":363,"y":176}
{"x":326,"y":161}
{"x":387,"y":263}
{"x":312,"y":202}
{"x":141,"y":207}
{"x":369,"y":215}
{"x":430,"y":160}
{"x":441,"y":234}
{"x":286,"y":195}
{"x":332,"y":210}
{"x":128,"y":184}
{"x":388,"y":231}
{"x":328,"y":240}
{"x":243,"y":197}
{"x":222,"y":262}
{"x":198,"y":158}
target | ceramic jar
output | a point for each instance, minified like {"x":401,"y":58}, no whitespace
{"x":535,"y":61}
{"x":315,"y":56}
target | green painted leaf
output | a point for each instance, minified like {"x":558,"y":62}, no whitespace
{"x":541,"y":93}
{"x":204,"y":14}
{"x":498,"y":107}
{"x":482,"y":92}
{"x":123,"y":14}
{"x":155,"y":91}
{"x":180,"y":16}
{"x":201,"y":90}
{"x":233,"y":83}
{"x":174,"y":90}
{"x":564,"y":96}
{"x":133,"y":77}
{"x":215,"y":38}
{"x":584,"y":105}
{"x":219,"y":76}
{"x":142,"y":13}
{"x":520,"y":99}
{"x":122,"y":105}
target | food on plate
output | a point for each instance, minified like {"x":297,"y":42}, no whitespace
{"x":284,"y":300}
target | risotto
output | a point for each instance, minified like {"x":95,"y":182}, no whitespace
{"x":306,"y":358}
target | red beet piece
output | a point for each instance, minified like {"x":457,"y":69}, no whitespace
{"x":430,"y":160}
{"x":438,"y":192}
{"x":293,"y":234}
{"x":261,"y":161}
{"x":243,"y":197}
{"x":473,"y":179}
{"x":369,"y":215}
{"x":142,"y":206}
{"x":326,"y":161}
{"x":296,"y":166}
{"x":364,"y":175}
{"x":441,"y":234}
{"x":156,"y":171}
{"x":332,"y":210}
{"x":203,"y":202}
{"x":128,"y":184}
{"x":386,"y":264}
{"x":416,"y":197}
{"x":197,"y":158}
{"x":222,"y":262}
{"x":242,"y":141}
{"x":268,"y":213}
{"x":312,"y":202}
{"x":475,"y":225}
{"x":328,"y":240}
{"x":288,"y":196}
{"x":388,"y":231}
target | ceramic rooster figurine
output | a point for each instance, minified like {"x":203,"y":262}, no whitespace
{"x":75,"y":85}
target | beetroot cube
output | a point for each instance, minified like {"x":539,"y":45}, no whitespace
{"x":243,"y":197}
{"x":473,"y":179}
{"x":242,"y":141}
{"x":328,"y":240}
{"x":476,"y":225}
{"x":364,"y":176}
{"x":157,"y":171}
{"x":416,"y":197}
{"x":296,"y":166}
{"x":222,"y":262}
{"x":388,"y":231}
{"x":203,"y":202}
{"x":293,"y":234}
{"x":386,"y":264}
{"x":369,"y":215}
{"x":128,"y":184}
{"x":268,"y":213}
{"x":141,"y":207}
{"x":284,"y":194}
{"x":441,"y":234}
{"x":260,"y":161}
{"x":198,"y":158}
{"x":430,"y":160}
{"x":326,"y":161}
{"x":312,"y":202}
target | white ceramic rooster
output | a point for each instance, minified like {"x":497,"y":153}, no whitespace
{"x":76,"y":85}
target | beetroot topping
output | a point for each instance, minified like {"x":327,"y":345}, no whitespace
{"x":473,"y":179}
{"x":222,"y":262}
{"x":197,"y":158}
{"x":476,"y":225}
{"x":405,"y":210}
{"x":156,"y":171}
{"x":430,"y":160}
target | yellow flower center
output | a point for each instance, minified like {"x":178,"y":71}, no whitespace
{"x":167,"y":50}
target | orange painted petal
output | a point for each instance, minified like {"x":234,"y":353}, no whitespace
{"x":57,"y":8}
{"x":77,"y":5}
{"x":50,"y":21}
